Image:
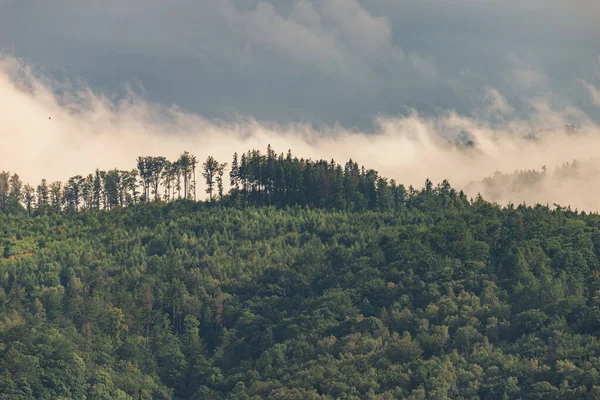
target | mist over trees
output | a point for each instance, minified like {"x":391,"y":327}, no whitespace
{"x":566,"y":183}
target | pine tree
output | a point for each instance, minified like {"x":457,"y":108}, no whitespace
{"x":15,"y":196}
{"x":29,"y":196}
{"x":56,"y":197}
{"x":210,"y":168}
{"x":234,"y":173}
{"x":42,"y":196}
{"x":220,"y":172}
{"x":4,"y":191}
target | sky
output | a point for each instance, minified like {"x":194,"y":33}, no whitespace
{"x":361,"y":78}
{"x":319,"y":62}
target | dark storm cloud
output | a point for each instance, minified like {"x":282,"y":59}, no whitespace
{"x":326,"y":61}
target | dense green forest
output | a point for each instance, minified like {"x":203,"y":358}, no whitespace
{"x":306,"y":280}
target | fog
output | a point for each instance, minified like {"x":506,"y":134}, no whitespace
{"x":573,"y":184}
{"x":54,"y":130}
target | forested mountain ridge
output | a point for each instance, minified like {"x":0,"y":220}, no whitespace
{"x":418,"y":294}
{"x":254,"y":179}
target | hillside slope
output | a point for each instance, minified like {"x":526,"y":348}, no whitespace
{"x":440,"y":298}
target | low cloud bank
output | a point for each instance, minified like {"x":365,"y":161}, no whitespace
{"x":54,"y":130}
{"x":573,"y":184}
